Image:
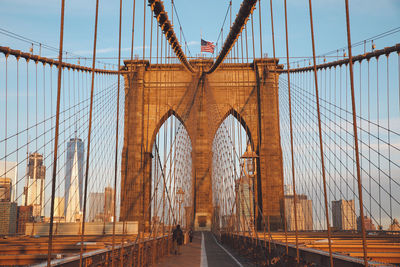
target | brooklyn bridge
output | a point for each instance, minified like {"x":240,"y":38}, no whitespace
{"x":239,"y":154}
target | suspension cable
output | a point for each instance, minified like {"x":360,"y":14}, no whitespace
{"x":353,"y":104}
{"x":320,"y":136}
{"x":291,"y":137}
{"x":157,"y":7}
{"x":89,"y":133}
{"x":242,"y":17}
{"x":117,"y":132}
{"x":53,"y":185}
{"x":275,"y":83}
{"x":358,"y":58}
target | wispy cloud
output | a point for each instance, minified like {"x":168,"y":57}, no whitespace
{"x":191,"y":43}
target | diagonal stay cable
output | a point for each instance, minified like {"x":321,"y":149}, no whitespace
{"x":165,"y":24}
{"x":242,"y":17}
{"x":180,"y":25}
{"x":223,"y":23}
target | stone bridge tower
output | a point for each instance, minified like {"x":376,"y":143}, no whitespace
{"x":153,"y":92}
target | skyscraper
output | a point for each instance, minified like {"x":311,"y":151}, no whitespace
{"x":8,"y":170}
{"x":24,"y":215}
{"x":245,"y":207}
{"x":8,"y":218}
{"x":109,"y":204}
{"x":5,"y":189}
{"x":343,"y":214}
{"x":304,"y":212}
{"x":74,"y":179}
{"x":369,"y":224}
{"x":59,"y":208}
{"x":34,"y":190}
{"x":96,"y":206}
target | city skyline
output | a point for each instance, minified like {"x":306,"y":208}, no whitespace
{"x":300,"y":50}
{"x":32,"y":181}
{"x":279,"y":147}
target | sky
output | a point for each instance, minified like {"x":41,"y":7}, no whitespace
{"x":40,"y":20}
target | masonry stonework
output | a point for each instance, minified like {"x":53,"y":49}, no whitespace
{"x":153,"y":92}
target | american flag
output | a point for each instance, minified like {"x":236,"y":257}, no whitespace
{"x":207,"y":46}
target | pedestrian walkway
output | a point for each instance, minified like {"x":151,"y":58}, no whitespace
{"x":190,"y":255}
{"x":205,"y":251}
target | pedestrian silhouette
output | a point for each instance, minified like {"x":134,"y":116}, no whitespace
{"x":177,"y":238}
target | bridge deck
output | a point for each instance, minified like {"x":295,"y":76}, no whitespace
{"x":381,"y":247}
{"x":23,"y":250}
{"x":204,"y":251}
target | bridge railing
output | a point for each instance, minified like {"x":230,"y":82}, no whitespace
{"x":140,"y":253}
{"x":276,"y":253}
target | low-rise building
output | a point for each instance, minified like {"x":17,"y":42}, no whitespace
{"x":8,"y":218}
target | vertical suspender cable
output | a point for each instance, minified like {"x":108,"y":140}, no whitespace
{"x":5,"y":128}
{"x":247,"y":51}
{"x":133,"y":32}
{"x":259,"y":14}
{"x":275,"y":81}
{"x":27,"y":127}
{"x":17,"y":112}
{"x":127,"y":102}
{"x":388,"y":137}
{"x":89,"y":132}
{"x":378,"y":141}
{"x":143,"y":160}
{"x":291,"y":135}
{"x":353,"y":104}
{"x":369,"y":136}
{"x":53,"y":185}
{"x":241,"y":46}
{"x":147,"y":129}
{"x":116,"y":132}
{"x":252,"y":37}
{"x":230,"y":20}
{"x":320,"y":136}
{"x":144,"y":28}
{"x":151,"y":39}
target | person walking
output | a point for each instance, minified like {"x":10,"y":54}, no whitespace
{"x":191,"y":235}
{"x":177,"y":238}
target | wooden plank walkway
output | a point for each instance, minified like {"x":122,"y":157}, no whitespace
{"x":205,"y":251}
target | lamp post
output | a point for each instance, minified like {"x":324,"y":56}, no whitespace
{"x":180,"y":194}
{"x":249,"y":162}
{"x":249,"y":167}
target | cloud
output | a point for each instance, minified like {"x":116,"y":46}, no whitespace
{"x":192,"y":43}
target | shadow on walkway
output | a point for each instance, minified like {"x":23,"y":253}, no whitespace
{"x":190,"y":255}
{"x":214,"y":255}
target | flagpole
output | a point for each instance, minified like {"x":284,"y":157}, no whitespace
{"x":201,"y":38}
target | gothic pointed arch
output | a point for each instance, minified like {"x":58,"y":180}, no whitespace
{"x":161,"y":121}
{"x":240,"y":119}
